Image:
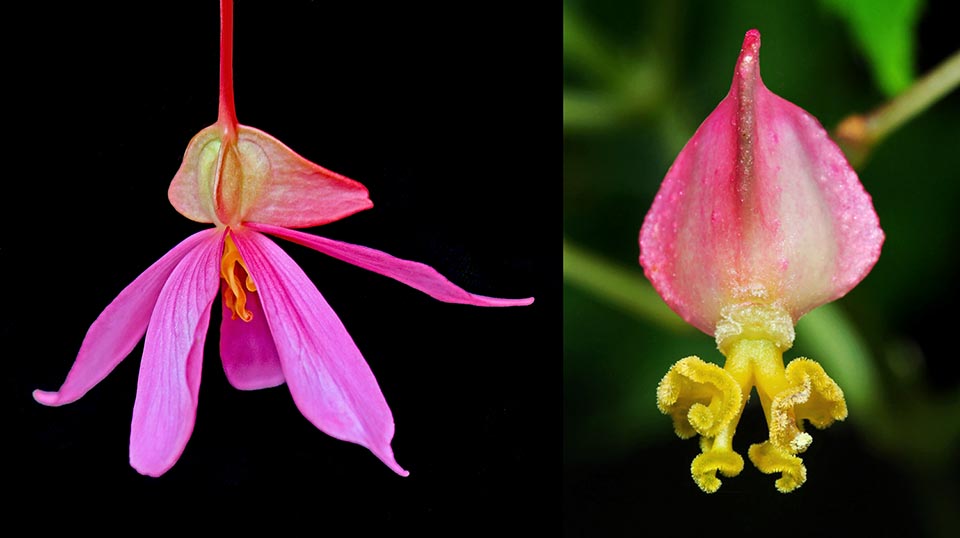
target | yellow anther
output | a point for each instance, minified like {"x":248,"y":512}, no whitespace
{"x":811,"y":395}
{"x":826,"y":403}
{"x":233,"y":270}
{"x":771,"y":459}
{"x":701,"y":397}
{"x":704,"y":399}
{"x":716,"y":457}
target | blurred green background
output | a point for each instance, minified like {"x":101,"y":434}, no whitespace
{"x":639,"y":77}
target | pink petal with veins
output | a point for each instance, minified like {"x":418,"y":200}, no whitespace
{"x":329,"y":380}
{"x":759,"y":207}
{"x":120,"y":327}
{"x":166,"y":403}
{"x":414,"y":274}
{"x":247,"y":350}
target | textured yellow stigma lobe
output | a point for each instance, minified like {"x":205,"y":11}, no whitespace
{"x":237,"y":279}
{"x":704,"y":399}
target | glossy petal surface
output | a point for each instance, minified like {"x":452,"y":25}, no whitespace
{"x":759,"y":207}
{"x":329,"y":379}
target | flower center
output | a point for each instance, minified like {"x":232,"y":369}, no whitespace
{"x":756,"y":322}
{"x":707,"y":400}
{"x":237,"y":279}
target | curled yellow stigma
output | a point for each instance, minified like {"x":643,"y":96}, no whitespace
{"x":704,"y":399}
{"x":234,"y":272}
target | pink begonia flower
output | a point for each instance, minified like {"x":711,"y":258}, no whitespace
{"x":759,"y":220}
{"x":276,"y":326}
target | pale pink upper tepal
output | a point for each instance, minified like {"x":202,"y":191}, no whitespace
{"x":760,"y":207}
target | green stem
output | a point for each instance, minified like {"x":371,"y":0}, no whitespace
{"x":618,"y":286}
{"x":915,"y":100}
{"x":858,"y":134}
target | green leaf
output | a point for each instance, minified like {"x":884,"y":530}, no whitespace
{"x":884,"y":31}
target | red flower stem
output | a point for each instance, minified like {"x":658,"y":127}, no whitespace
{"x":228,"y":113}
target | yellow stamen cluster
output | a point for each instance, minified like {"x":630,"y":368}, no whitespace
{"x":704,"y":399}
{"x":234,"y":272}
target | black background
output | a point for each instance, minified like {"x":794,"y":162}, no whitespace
{"x":439,"y":111}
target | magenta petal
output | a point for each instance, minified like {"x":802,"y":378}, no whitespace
{"x":760,"y":207}
{"x":414,"y":274}
{"x":247,"y":350}
{"x":119,"y":327}
{"x":166,"y":404}
{"x":329,"y":380}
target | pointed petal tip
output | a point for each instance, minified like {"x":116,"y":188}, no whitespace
{"x":483,"y":300}
{"x":749,"y":54}
{"x":386,"y":456}
{"x":47,"y":398}
{"x":395,"y":467}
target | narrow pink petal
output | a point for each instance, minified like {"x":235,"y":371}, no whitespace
{"x":759,"y":207}
{"x":414,"y":274}
{"x":166,"y":404}
{"x":247,"y":350}
{"x":120,"y":326}
{"x":329,"y":380}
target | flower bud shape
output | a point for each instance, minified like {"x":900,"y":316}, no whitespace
{"x":760,"y":207}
